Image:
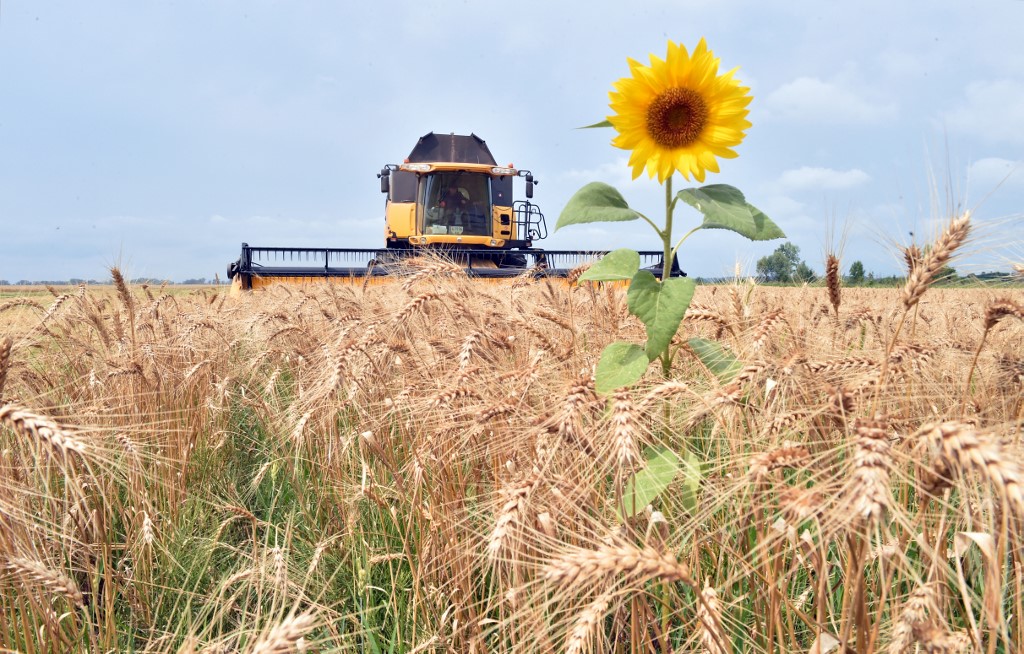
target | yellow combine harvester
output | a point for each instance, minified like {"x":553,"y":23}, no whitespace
{"x":449,"y":197}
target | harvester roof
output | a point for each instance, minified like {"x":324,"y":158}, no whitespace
{"x":451,"y":148}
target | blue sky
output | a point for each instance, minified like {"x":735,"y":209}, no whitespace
{"x":160,"y":135}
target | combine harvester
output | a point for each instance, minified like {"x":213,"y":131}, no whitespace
{"x":449,"y":198}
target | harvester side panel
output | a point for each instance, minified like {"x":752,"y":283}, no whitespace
{"x":401,"y":220}
{"x":504,"y":226}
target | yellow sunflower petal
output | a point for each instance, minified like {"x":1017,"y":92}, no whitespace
{"x":679,"y":113}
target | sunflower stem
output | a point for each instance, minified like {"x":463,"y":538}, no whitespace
{"x":666,"y":265}
{"x":666,"y":235}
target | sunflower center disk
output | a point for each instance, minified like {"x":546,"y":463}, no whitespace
{"x":676,"y":117}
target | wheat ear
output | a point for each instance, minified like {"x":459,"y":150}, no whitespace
{"x":712,"y":636}
{"x":52,"y":581}
{"x":788,"y":456}
{"x":584,"y":566}
{"x":581,"y":637}
{"x":994,"y":312}
{"x":962,"y":446}
{"x":624,"y":430}
{"x":285,"y":637}
{"x":833,"y":281}
{"x":5,"y":362}
{"x":125,"y":295}
{"x":923,"y":274}
{"x":912,"y":257}
{"x":999,"y":309}
{"x":917,"y":610}
{"x":872,"y":461}
{"x":510,"y":515}
{"x":41,"y":429}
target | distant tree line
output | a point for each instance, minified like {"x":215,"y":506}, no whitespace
{"x":785,"y":266}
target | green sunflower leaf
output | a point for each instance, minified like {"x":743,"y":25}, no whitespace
{"x":603,"y":123}
{"x":595,"y":203}
{"x":621,"y":364}
{"x":693,"y":475}
{"x":724,"y":207}
{"x":616,"y":266}
{"x":648,"y":483}
{"x":718,"y":360}
{"x":660,"y":305}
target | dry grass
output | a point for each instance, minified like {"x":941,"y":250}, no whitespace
{"x":426,"y":466}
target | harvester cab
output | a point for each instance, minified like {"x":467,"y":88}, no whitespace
{"x":449,"y":197}
{"x":450,"y":192}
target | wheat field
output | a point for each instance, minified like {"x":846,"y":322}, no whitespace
{"x":424,"y":466}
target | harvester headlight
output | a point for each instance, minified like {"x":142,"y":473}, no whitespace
{"x":493,"y":242}
{"x":498,"y":170}
{"x":416,"y":167}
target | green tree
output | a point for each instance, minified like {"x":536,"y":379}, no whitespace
{"x":803,"y":273}
{"x":857,"y":273}
{"x":780,"y":266}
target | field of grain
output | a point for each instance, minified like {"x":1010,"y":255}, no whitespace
{"x":426,"y":467}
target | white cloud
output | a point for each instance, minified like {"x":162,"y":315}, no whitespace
{"x":814,"y":100}
{"x":992,"y":110}
{"x":813,"y":178}
{"x":986,"y":174}
{"x":781,"y":205}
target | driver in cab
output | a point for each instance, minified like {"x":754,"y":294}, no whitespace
{"x":452,"y":207}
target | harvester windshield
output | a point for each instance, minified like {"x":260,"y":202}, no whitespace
{"x":457,"y":203}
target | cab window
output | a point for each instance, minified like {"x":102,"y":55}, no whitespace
{"x":457,"y":203}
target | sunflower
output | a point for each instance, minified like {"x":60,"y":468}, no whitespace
{"x":679,"y":114}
